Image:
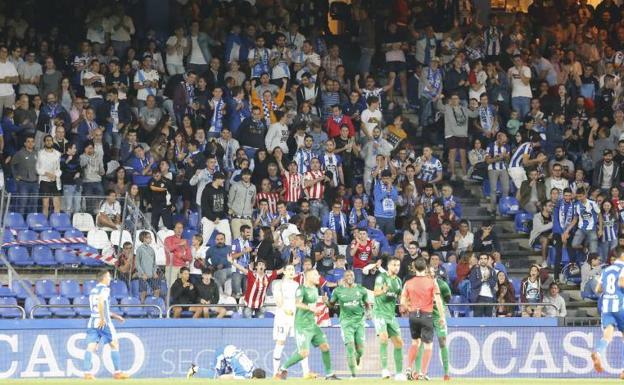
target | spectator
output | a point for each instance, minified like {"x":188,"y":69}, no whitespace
{"x":216,"y":257}
{"x":178,"y":253}
{"x":146,"y":80}
{"x":92,"y":172}
{"x":591,"y":271}
{"x":214,"y":209}
{"x":198,"y":264}
{"x":521,"y":160}
{"x":29,"y":75}
{"x":521,"y":94}
{"x":556,"y":180}
{"x":126,"y":263}
{"x":258,"y":282}
{"x":207,"y":294}
{"x":49,"y":170}
{"x":146,"y":268}
{"x":325,"y":253}
{"x":541,"y":232}
{"x":241,"y":200}
{"x":532,"y":192}
{"x":588,"y":220}
{"x":109,"y":214}
{"x":160,"y":192}
{"x":10,"y":76}
{"x":70,"y":176}
{"x":559,"y":306}
{"x":610,"y":230}
{"x":606,"y":172}
{"x":241,"y":253}
{"x":482,"y":286}
{"x":486,"y":239}
{"x":182,"y":292}
{"x":266,"y":250}
{"x":24,"y":169}
{"x":505,"y":293}
{"x":364,"y":252}
{"x":531,"y":293}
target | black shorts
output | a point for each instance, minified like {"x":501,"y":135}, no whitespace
{"x":421,"y":326}
{"x":457,"y":142}
{"x":396,"y":66}
{"x":49,"y":189}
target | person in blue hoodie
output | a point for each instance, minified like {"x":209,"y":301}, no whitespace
{"x":385,"y":197}
{"x":237,"y":109}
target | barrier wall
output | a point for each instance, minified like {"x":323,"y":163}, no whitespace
{"x":166,"y":348}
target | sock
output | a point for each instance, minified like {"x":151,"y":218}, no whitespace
{"x":86,"y":366}
{"x":413,"y":355}
{"x":383,"y":354}
{"x":277,"y":357}
{"x":204,"y":373}
{"x":351,"y":358}
{"x":327,"y":362}
{"x":115,"y":359}
{"x":305,"y":366}
{"x":398,"y":360}
{"x":601,"y":348}
{"x":444,"y":353}
{"x":426,"y":359}
{"x":293,"y":360}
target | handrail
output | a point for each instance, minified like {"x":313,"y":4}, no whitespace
{"x":39,"y":306}
{"x":228,"y":305}
{"x":21,"y":309}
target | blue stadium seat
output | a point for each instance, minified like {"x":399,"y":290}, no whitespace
{"x":60,"y":221}
{"x":118,"y":289}
{"x":82,"y":311}
{"x":73,"y":233}
{"x":7,"y":236}
{"x":451,"y":271}
{"x":523,"y":221}
{"x":193,"y":220}
{"x":15,"y":221}
{"x":134,"y":312}
{"x":37,"y":221}
{"x":134,"y":288}
{"x":49,"y":235}
{"x":456,"y":310}
{"x":27,"y":235}
{"x":6,"y":292}
{"x":70,"y":288}
{"x":188,"y":234}
{"x":87,"y":286}
{"x":42,"y":255}
{"x":19,"y":256}
{"x":63,"y":312}
{"x":66,"y":257}
{"x":508,"y":206}
{"x":155,"y":301}
{"x":38,"y":313}
{"x":516,"y":283}
{"x":45,"y":288}
{"x":19,"y":288}
{"x":9,"y":312}
{"x":87,"y":261}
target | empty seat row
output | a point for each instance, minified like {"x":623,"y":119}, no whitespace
{"x":44,"y":256}
{"x":58,"y":221}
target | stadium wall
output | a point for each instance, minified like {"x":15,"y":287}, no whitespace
{"x":166,"y":348}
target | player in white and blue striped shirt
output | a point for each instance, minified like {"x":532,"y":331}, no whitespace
{"x":428,"y":167}
{"x":100,"y":327}
{"x":521,"y":159}
{"x":611,"y":306}
{"x":588,"y":220}
{"x":610,"y":227}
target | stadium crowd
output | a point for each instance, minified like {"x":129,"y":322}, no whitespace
{"x":294,"y":145}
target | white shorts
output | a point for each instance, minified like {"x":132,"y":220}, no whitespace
{"x":517,"y":175}
{"x":283,"y":327}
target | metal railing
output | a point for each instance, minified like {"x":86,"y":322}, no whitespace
{"x":41,"y":306}
{"x":494,"y":304}
{"x":21,"y":309}
{"x":235,"y":306}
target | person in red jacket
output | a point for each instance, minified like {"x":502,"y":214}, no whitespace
{"x":177,"y":252}
{"x":336,"y":121}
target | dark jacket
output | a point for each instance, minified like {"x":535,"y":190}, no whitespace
{"x":317,"y":102}
{"x":214,"y":203}
{"x":208,"y":292}
{"x":181,"y":294}
{"x":598,"y":173}
{"x":251,"y":133}
{"x":525,"y":192}
{"x":488,"y":245}
{"x":476,"y":280}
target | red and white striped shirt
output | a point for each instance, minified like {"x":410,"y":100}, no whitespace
{"x":317,"y":190}
{"x":271,"y":197}
{"x":257,"y":288}
{"x":293,"y":187}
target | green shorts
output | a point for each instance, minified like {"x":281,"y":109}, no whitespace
{"x":440,"y":331}
{"x":387,"y":325}
{"x":310,"y":336}
{"x":353,"y":332}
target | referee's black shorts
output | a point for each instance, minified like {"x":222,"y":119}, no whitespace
{"x":421,"y":326}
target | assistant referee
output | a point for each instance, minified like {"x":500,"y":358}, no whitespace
{"x":417,"y":298}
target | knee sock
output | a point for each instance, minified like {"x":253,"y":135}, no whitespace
{"x":601,"y":348}
{"x":414,"y":355}
{"x":327,"y":362}
{"x":305,"y":366}
{"x":351,"y":358}
{"x":293,"y":360}
{"x":86,"y":366}
{"x":444,"y":354}
{"x":383,"y":354}
{"x":398,"y":360}
{"x":277,"y":357}
{"x":426,"y":359}
{"x":115,"y":359}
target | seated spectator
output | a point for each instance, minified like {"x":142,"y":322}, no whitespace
{"x":531,"y":292}
{"x":266,"y":250}
{"x":439,"y":216}
{"x":207,"y":294}
{"x":325,"y":253}
{"x":109,"y":215}
{"x":198,"y":251}
{"x":336,"y":274}
{"x":486,"y":239}
{"x":541,"y":232}
{"x":532,"y":192}
{"x":590,"y":276}
{"x":336,"y":221}
{"x":553,"y":297}
{"x":258,"y":282}
{"x":216,"y":257}
{"x":464,"y":238}
{"x":464,"y":267}
{"x":442,"y":239}
{"x":482,"y":286}
{"x":450,"y":202}
{"x":146,"y":268}
{"x":437,"y":267}
{"x":182,"y":292}
{"x":505,"y":293}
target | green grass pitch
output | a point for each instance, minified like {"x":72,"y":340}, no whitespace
{"x":295,"y":381}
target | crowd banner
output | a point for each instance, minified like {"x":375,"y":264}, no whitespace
{"x":166,"y":348}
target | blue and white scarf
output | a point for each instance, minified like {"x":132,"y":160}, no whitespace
{"x":216,"y":123}
{"x":342,"y":223}
{"x":150,"y":90}
{"x":266,"y":110}
{"x":262,"y":55}
{"x":357,"y":220}
{"x":486,"y":117}
{"x":190,"y":95}
{"x":434,"y":78}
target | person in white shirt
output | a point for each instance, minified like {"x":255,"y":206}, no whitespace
{"x":521,"y":94}
{"x":371,"y":117}
{"x":29,"y":73}
{"x":294,"y":39}
{"x":8,"y":77}
{"x":278,"y":133}
{"x":121,"y":28}
{"x":177,"y":47}
{"x":89,"y":78}
{"x":49,"y":171}
{"x":146,"y":80}
{"x":109,"y":214}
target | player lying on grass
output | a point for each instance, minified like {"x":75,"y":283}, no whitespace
{"x":352,"y":300}
{"x":230,"y":363}
{"x":100,"y":328}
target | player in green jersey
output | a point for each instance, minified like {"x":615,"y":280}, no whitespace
{"x":387,"y":291}
{"x":352,"y":300}
{"x":440,"y":330}
{"x":307,"y":332}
